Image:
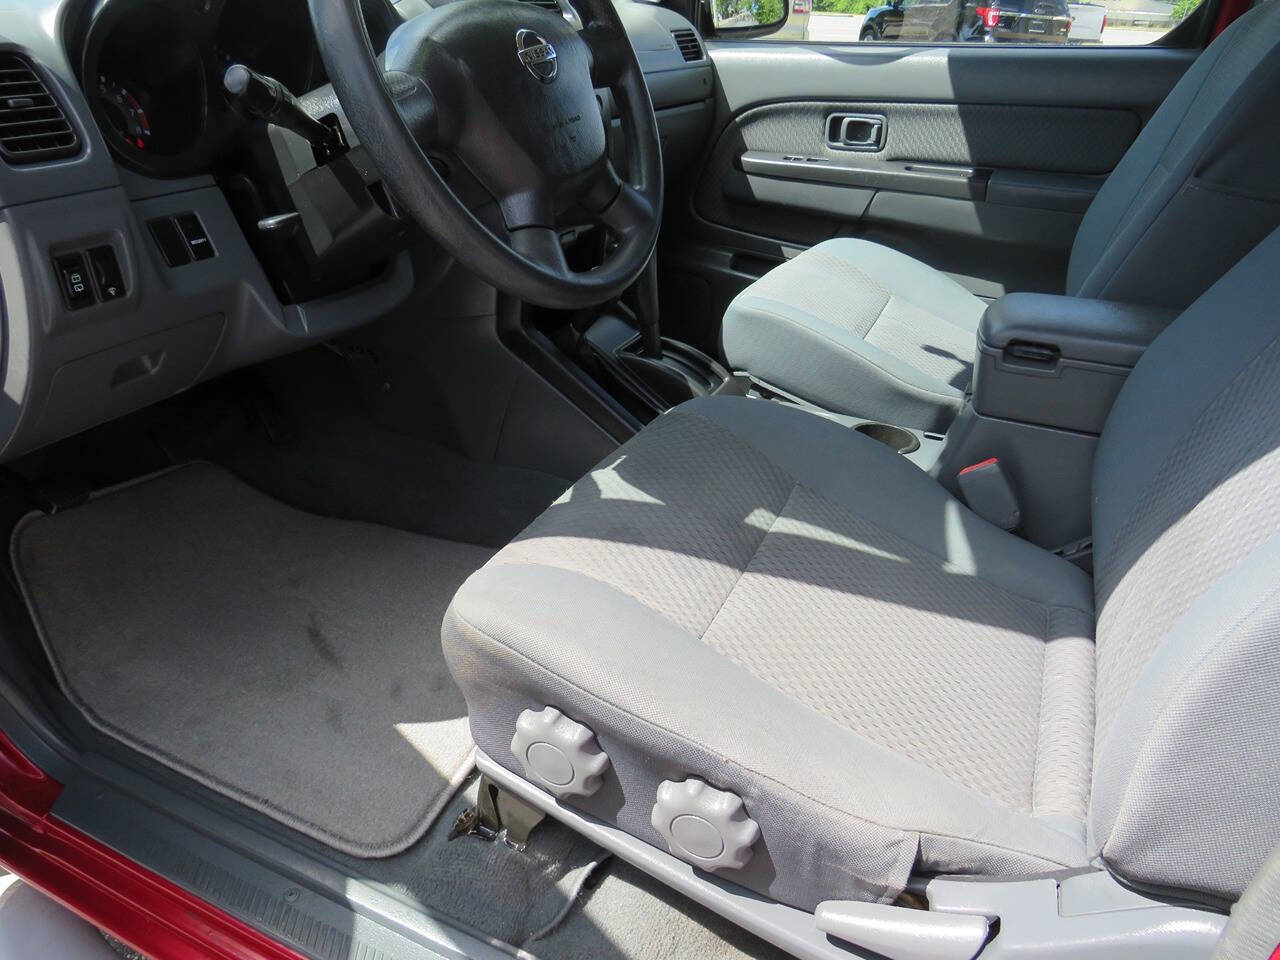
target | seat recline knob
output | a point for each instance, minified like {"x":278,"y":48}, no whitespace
{"x":559,"y":754}
{"x":704,"y":826}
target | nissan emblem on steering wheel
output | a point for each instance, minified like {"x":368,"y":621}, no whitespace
{"x":538,"y":56}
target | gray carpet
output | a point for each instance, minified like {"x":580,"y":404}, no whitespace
{"x":335,"y":459}
{"x":289,"y":661}
{"x":510,"y":895}
{"x":352,"y":468}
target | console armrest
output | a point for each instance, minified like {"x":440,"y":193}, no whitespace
{"x":1077,"y":327}
{"x":1059,"y":361}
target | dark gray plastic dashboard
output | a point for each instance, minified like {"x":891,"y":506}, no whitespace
{"x":66,"y":369}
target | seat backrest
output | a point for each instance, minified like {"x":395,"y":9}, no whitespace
{"x":1203,"y":168}
{"x":1186,"y":522}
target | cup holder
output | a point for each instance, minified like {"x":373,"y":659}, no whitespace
{"x":902,"y":440}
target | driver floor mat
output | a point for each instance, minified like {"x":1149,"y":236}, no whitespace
{"x":289,"y":661}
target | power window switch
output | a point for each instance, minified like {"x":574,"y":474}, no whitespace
{"x":74,"y":280}
{"x":172,"y":247}
{"x":193,"y":232}
{"x":106,"y":272}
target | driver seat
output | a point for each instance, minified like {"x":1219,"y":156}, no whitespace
{"x":858,"y":328}
{"x":778,"y":649}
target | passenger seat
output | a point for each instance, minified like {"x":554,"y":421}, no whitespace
{"x":858,"y":328}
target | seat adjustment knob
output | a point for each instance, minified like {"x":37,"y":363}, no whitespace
{"x":704,"y":826}
{"x":558,"y":754}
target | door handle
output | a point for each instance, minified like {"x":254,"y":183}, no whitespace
{"x":855,"y":131}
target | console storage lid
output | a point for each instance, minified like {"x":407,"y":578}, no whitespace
{"x":1078,"y":327}
{"x":1059,"y":361}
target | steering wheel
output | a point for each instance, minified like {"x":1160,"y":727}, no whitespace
{"x":506,"y":88}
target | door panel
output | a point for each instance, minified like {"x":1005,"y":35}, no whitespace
{"x":789,"y":141}
{"x":987,"y":159}
{"x":754,"y":72}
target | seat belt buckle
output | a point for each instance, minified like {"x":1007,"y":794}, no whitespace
{"x":989,"y":494}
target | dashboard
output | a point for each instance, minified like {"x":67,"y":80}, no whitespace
{"x":140,"y":249}
{"x":153,"y":71}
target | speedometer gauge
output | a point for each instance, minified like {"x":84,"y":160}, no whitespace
{"x":125,"y":111}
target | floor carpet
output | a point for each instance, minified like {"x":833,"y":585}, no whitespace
{"x":289,"y":661}
{"x":348,"y":467}
{"x":490,"y":888}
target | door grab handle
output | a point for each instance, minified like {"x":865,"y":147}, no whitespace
{"x":860,"y":131}
{"x":855,"y":131}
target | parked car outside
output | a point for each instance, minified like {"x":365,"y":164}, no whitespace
{"x":1019,"y":21}
{"x":1088,"y":20}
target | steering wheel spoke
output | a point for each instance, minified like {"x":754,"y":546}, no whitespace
{"x":527,"y":207}
{"x":618,"y":205}
{"x":609,"y":49}
{"x":541,"y":245}
{"x":417,"y":108}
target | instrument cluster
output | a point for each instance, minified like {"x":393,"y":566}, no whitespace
{"x":152,"y":72}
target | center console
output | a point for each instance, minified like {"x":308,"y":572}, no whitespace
{"x":1047,"y":370}
{"x":647,"y":372}
{"x":1059,"y":361}
{"x":1046,"y":373}
{"x":646,"y":380}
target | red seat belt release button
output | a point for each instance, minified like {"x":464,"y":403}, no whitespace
{"x":989,"y":494}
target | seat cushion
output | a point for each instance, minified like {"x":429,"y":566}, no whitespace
{"x":754,"y":595}
{"x":860,"y":329}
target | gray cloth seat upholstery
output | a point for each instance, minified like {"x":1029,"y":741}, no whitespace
{"x":1253,"y":932}
{"x":860,"y":329}
{"x":755,"y":596}
{"x":788,"y":602}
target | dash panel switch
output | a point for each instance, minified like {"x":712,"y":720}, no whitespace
{"x":74,"y":280}
{"x":169,"y":240}
{"x":193,"y":232}
{"x":106,"y":273}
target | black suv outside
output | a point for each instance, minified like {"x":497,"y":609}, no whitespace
{"x":1018,"y":21}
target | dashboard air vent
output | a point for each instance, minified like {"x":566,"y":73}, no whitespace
{"x":32,"y":124}
{"x":688,"y":43}
{"x":552,"y":5}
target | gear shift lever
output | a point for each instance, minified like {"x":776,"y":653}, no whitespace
{"x":655,"y":373}
{"x":645,"y":304}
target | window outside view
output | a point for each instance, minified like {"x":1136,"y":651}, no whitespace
{"x":1111,"y":22}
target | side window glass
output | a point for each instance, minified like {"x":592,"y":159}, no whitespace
{"x":1080,"y":23}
